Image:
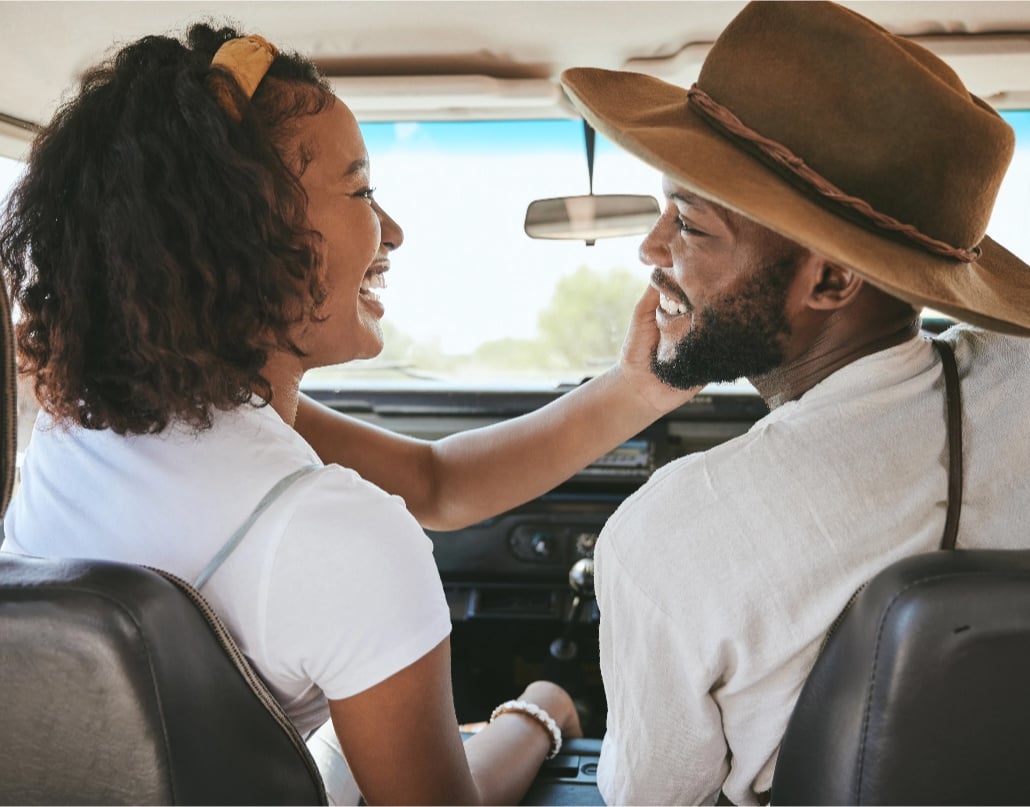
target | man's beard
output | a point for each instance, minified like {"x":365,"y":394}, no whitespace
{"x":739,"y":335}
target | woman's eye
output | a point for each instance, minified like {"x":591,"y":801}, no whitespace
{"x":366,"y":193}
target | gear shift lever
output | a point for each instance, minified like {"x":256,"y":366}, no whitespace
{"x":581,"y":581}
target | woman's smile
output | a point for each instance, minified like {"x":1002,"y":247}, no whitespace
{"x":375,"y":278}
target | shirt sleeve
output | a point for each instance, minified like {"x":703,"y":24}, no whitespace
{"x":354,"y":595}
{"x":664,"y":742}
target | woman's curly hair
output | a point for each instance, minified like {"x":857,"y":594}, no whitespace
{"x":156,"y":249}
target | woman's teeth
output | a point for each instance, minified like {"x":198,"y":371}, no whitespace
{"x":373,"y":280}
{"x":670,"y":306}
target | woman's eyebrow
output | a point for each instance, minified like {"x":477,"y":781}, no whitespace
{"x":356,"y":167}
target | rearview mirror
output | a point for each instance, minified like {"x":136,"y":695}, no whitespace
{"x":587,"y":218}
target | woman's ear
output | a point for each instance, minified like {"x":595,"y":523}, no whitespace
{"x":831,"y":286}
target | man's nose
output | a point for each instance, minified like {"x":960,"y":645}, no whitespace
{"x":654,"y":249}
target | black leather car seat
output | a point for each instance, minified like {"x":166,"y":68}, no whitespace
{"x":921,"y":694}
{"x":118,"y":685}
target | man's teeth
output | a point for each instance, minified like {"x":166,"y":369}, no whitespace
{"x":670,"y":306}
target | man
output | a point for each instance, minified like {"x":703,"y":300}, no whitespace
{"x":824,"y":180}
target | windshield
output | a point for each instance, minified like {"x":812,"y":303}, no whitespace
{"x":470,"y":297}
{"x":474,"y":302}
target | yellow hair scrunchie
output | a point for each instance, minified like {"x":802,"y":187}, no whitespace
{"x":247,"y":59}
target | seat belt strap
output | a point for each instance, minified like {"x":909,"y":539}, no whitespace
{"x":277,"y":490}
{"x":953,"y":394}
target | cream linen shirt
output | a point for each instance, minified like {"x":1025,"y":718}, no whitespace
{"x":719,"y":578}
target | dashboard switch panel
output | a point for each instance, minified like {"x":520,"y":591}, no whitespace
{"x":539,"y":543}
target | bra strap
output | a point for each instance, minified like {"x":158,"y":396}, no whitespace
{"x":269,"y":498}
{"x":953,"y":393}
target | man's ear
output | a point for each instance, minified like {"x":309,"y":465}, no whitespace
{"x":831,"y":286}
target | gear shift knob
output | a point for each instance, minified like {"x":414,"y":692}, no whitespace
{"x":581,"y":577}
{"x":581,"y":581}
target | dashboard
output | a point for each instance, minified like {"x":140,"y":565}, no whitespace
{"x":519,"y":585}
{"x":538,"y":541}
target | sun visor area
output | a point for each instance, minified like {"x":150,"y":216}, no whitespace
{"x":448,"y":97}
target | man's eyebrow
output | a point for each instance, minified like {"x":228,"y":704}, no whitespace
{"x":689,"y":199}
{"x":702,"y":205}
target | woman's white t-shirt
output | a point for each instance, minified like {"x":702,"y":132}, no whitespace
{"x":332,"y":590}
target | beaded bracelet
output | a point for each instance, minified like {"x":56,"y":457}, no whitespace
{"x":539,"y":715}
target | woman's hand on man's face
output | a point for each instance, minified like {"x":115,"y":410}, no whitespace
{"x":637,"y":351}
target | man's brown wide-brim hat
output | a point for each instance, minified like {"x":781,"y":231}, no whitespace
{"x":858,"y":144}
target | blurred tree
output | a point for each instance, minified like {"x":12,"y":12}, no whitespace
{"x":514,"y":354}
{"x":589,"y":313}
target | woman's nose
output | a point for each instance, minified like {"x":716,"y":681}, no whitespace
{"x":392,"y":235}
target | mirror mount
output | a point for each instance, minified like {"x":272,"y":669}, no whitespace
{"x":588,"y":142}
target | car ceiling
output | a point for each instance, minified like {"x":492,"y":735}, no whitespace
{"x":395,"y":59}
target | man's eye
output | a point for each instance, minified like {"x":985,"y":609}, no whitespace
{"x":366,"y":193}
{"x":686,"y":228}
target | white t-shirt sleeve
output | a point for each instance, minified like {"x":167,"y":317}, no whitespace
{"x":353,"y":593}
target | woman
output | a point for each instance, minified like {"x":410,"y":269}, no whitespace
{"x":195,"y":230}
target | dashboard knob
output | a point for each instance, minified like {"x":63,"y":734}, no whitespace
{"x":542,"y":545}
{"x":581,"y":577}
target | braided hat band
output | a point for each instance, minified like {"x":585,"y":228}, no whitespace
{"x":246,"y":59}
{"x":724,"y":120}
